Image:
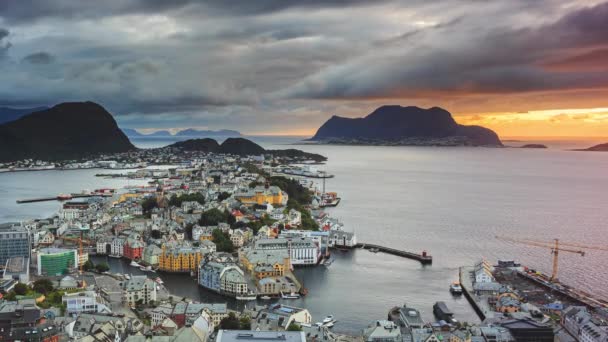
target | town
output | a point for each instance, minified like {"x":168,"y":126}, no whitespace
{"x":238,"y":226}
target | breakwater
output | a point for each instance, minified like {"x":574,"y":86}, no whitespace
{"x":424,"y":258}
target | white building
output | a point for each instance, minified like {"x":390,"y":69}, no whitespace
{"x":139,"y":289}
{"x":483,"y":272}
{"x":302,"y":251}
{"x":117,"y":248}
{"x":84,"y":302}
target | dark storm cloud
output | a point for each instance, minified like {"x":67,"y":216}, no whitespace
{"x":272,"y":63}
{"x":27,"y":10}
{"x":4,"y":44}
{"x":504,"y":60}
{"x":39,"y":58}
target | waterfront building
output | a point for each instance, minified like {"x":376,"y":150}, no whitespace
{"x":18,"y":269}
{"x":103,"y":246}
{"x":133,"y":248}
{"x":591,"y":332}
{"x":180,"y":259}
{"x":56,"y":261}
{"x":117,"y":247}
{"x":14,"y":242}
{"x":223,"y":277}
{"x":302,"y":251}
{"x":529,"y":330}
{"x":483,"y":272}
{"x":151,"y":254}
{"x":260,"y":336}
{"x":383,"y":331}
{"x":83,"y":302}
{"x":276,"y":317}
{"x":262,"y":194}
{"x":73,"y":210}
{"x":410,"y":318}
{"x":340,"y":238}
{"x":139,"y":289}
{"x":265,"y":263}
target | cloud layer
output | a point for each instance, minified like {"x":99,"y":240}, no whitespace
{"x":286,"y":66}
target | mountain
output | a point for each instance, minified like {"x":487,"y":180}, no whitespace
{"x":11,"y":114}
{"x":241,"y":147}
{"x":597,"y":148}
{"x":130,"y":132}
{"x":203,"y":145}
{"x":202,"y":133}
{"x":405,"y":125}
{"x":65,"y":131}
{"x":160,"y":134}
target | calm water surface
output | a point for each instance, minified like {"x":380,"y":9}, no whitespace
{"x":449,"y":201}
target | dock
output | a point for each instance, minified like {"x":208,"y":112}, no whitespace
{"x":55,"y":198}
{"x":478,"y":303}
{"x":424,"y":258}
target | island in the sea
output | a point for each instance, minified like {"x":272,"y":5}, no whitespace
{"x":596,"y":148}
{"x":534,"y":146}
{"x":397,"y":125}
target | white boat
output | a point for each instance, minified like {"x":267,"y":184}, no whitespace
{"x":265,"y":297}
{"x":159,"y":281}
{"x":142,"y":268}
{"x":328,"y":319}
{"x":292,"y":295}
{"x":247,"y":297}
{"x":128,"y":277}
{"x":329,"y":325}
{"x":114,"y":256}
{"x":134,"y":264}
{"x":318,"y":324}
{"x":455,"y":288}
{"x":328,"y":262}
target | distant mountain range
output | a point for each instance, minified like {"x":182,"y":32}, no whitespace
{"x":241,"y":147}
{"x":65,"y":131}
{"x":397,"y":125}
{"x":11,"y":114}
{"x":194,"y":133}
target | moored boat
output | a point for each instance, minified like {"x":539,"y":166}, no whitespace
{"x":455,"y":288}
{"x":134,"y":264}
{"x":292,"y":295}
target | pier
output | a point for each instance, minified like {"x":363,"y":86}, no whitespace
{"x":424,"y":258}
{"x":55,"y":198}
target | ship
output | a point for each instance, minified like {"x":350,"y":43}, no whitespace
{"x":329,"y":199}
{"x":247,"y":297}
{"x":441,"y":311}
{"x":134,"y":264}
{"x":292,"y":295}
{"x":64,"y":197}
{"x":455,"y":288}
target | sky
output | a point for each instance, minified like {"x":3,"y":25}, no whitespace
{"x":520,"y":67}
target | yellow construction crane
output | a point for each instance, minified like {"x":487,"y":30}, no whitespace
{"x":556,"y":246}
{"x":80,"y":241}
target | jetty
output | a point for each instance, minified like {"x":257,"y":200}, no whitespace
{"x":55,"y":198}
{"x":424,"y":257}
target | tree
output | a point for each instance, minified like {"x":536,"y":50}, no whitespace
{"x":43,"y":286}
{"x":222,"y":241}
{"x":148,"y":204}
{"x":88,"y":265}
{"x":293,"y":326}
{"x":245,"y":323}
{"x":212,"y":217}
{"x":230,"y":322}
{"x":177,"y":201}
{"x":222,"y":196}
{"x":20,"y":289}
{"x":102,"y":267}
{"x":156,"y":234}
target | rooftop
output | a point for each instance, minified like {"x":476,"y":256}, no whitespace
{"x":260,"y":336}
